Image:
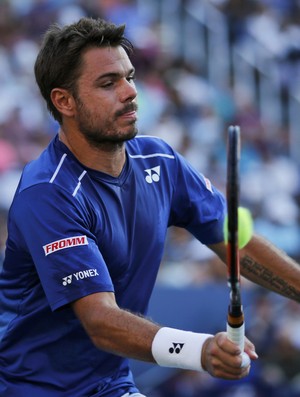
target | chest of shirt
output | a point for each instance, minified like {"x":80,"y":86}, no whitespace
{"x":130,"y":220}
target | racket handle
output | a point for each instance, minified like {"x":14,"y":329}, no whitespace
{"x":237,"y":335}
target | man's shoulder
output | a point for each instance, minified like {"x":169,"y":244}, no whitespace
{"x":53,"y":166}
{"x":146,"y":145}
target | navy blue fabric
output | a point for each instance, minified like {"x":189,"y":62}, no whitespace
{"x":74,"y":231}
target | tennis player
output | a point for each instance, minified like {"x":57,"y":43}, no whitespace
{"x":86,"y":233}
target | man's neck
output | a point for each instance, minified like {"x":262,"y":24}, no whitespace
{"x":108,"y":157}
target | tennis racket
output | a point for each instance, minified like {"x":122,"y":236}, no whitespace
{"x":235,"y":317}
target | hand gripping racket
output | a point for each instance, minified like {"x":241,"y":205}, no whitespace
{"x":235,"y":317}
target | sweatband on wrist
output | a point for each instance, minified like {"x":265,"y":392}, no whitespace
{"x":179,"y":349}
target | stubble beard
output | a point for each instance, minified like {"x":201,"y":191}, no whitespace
{"x":108,"y":136}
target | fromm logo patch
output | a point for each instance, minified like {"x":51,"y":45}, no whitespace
{"x":64,"y":243}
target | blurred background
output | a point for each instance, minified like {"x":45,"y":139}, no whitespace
{"x":202,"y":65}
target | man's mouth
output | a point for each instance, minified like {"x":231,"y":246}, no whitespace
{"x":128,"y":111}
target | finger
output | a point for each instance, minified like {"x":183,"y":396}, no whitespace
{"x":223,"y":370}
{"x":227,"y":354}
{"x":239,"y":375}
{"x":227,"y":345}
{"x":239,"y":359}
{"x":250,"y":349}
{"x":223,"y":358}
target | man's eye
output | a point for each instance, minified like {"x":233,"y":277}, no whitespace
{"x":131,"y":78}
{"x":107,"y":84}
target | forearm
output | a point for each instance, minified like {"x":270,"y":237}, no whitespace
{"x":120,"y":332}
{"x":128,"y":335}
{"x":115,"y":330}
{"x":266,"y":265}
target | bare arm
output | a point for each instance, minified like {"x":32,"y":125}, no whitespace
{"x":123,"y":333}
{"x":113,"y":329}
{"x":268,"y":266}
{"x":263,"y":263}
{"x":120,"y":332}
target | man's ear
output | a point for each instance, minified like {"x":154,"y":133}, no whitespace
{"x":63,"y":101}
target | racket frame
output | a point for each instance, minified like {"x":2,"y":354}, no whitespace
{"x":235,"y":316}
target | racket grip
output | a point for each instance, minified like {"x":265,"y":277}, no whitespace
{"x":237,"y":335}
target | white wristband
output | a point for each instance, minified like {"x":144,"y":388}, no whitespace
{"x":180,"y":349}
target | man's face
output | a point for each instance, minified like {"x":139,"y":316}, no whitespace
{"x":106,"y":97}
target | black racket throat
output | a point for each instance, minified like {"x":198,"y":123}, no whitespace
{"x":235,"y":311}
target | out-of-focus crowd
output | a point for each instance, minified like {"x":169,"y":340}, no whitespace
{"x":179,"y":104}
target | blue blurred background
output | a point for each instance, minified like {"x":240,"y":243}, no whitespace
{"x":201,"y":66}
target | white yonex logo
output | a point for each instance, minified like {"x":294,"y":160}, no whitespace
{"x":67,"y":280}
{"x":176,"y":348}
{"x":79,"y":276}
{"x":153,"y":174}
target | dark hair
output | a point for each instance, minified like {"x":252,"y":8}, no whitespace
{"x":59,"y":61}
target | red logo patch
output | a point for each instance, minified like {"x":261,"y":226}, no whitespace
{"x":65,"y":243}
{"x":208,"y":184}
